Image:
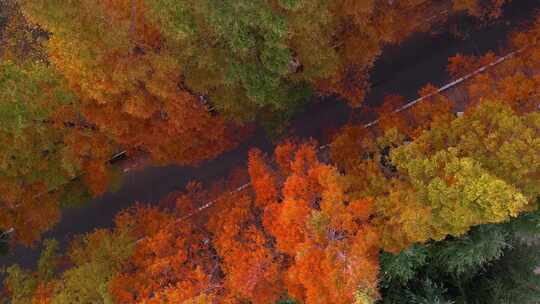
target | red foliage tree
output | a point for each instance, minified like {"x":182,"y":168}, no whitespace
{"x":389,"y":118}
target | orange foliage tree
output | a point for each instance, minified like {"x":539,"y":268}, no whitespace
{"x":322,"y":230}
{"x":129,"y":84}
{"x":515,"y":81}
{"x":490,"y":9}
{"x":434,"y":108}
{"x":297,"y":233}
{"x":44,"y":146}
{"x":389,"y":118}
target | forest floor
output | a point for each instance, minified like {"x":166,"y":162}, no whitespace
{"x":401,"y":69}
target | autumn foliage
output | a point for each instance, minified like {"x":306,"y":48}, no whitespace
{"x":421,"y":187}
{"x":266,"y":242}
{"x":179,"y":82}
{"x":304,"y":229}
{"x":295,"y":219}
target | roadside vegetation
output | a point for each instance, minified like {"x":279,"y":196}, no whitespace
{"x":421,"y":206}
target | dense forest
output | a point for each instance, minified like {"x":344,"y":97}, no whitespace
{"x":435,"y":201}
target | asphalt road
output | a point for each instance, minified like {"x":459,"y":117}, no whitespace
{"x":400,"y":70}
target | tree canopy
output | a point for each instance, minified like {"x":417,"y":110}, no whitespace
{"x":420,"y":206}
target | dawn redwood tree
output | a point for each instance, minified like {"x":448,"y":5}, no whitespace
{"x":42,"y":148}
{"x":323,"y":234}
{"x":389,"y":118}
{"x":490,"y":9}
{"x":364,"y":159}
{"x":309,"y":240}
{"x":250,"y":265}
{"x":129,"y":83}
{"x":97,"y":257}
{"x":234,"y":52}
{"x":227,"y":258}
{"x":305,"y":230}
{"x":150,"y":83}
{"x":460,"y":65}
{"x":434,"y":108}
{"x":93,"y":259}
{"x":168,"y":263}
{"x":263,"y":179}
{"x":513,"y":81}
{"x":273,"y":49}
{"x":350,"y":146}
{"x":366,"y":26}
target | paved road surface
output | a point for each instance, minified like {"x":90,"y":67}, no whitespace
{"x":401,"y":70}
